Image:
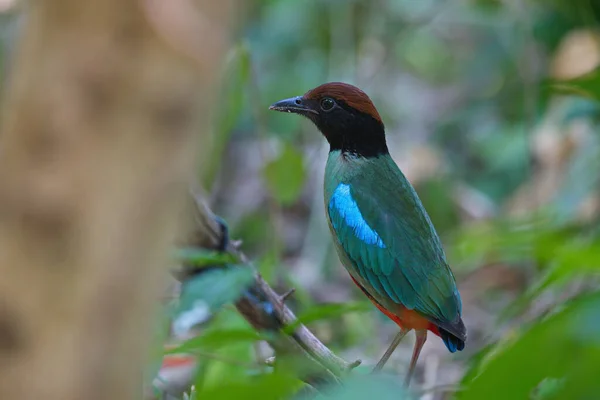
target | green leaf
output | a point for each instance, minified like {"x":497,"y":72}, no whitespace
{"x":285,"y":176}
{"x":574,"y":258}
{"x":502,"y":240}
{"x":233,"y":360}
{"x":202,"y":258}
{"x":217,"y":287}
{"x":271,"y":386}
{"x":192,"y":395}
{"x":231,"y":106}
{"x":581,"y":108}
{"x":564,"y":346}
{"x":207,"y":292}
{"x":269,"y":264}
{"x":360,"y":387}
{"x":548,"y":388}
{"x":326,"y":311}
{"x":562,"y":254}
{"x":212,"y":340}
{"x":587,"y":85}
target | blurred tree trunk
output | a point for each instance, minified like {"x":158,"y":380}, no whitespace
{"x":101,"y":122}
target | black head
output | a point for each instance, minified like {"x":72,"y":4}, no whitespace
{"x":344,"y":114}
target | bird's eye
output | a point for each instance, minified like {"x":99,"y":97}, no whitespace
{"x":327,"y":104}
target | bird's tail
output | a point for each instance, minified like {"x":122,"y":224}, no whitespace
{"x":452,"y":342}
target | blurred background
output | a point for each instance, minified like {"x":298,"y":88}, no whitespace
{"x":492,"y":111}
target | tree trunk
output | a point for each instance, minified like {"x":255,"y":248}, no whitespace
{"x":101,"y":125}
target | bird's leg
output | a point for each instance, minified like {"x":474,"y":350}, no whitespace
{"x":421,"y":339}
{"x":397,"y":339}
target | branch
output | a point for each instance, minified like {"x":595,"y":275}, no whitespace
{"x":322,"y":364}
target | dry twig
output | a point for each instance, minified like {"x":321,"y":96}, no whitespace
{"x":322,"y":365}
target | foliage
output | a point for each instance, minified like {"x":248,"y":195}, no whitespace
{"x":201,"y":258}
{"x":285,"y":175}
{"x":565,"y":346}
{"x":587,"y":85}
{"x":363,"y":387}
{"x":501,"y":141}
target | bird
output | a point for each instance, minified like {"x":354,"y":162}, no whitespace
{"x":381,"y":231}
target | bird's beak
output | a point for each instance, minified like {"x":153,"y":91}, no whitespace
{"x":297,"y":105}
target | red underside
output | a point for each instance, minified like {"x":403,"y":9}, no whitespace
{"x":403,"y":317}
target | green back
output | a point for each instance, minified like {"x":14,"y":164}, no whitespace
{"x":397,"y":256}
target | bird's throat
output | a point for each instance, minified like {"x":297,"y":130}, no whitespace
{"x":358,"y":141}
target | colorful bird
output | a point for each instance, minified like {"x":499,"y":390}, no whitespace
{"x":382,"y":233}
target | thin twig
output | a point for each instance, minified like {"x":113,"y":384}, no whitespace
{"x":286,"y":295}
{"x":323,"y":365}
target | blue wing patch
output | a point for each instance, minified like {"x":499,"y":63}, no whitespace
{"x":344,"y":204}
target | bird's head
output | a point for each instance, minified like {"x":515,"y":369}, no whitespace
{"x":344,"y":114}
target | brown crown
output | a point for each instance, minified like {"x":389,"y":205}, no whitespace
{"x":351,"y":95}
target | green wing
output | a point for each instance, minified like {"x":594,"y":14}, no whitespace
{"x":383,"y":229}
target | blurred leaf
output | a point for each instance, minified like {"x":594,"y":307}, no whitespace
{"x":212,"y":340}
{"x":587,"y":85}
{"x":193,"y":395}
{"x":254,"y":227}
{"x":275,"y":386}
{"x":285,"y":175}
{"x":436,"y":195}
{"x":478,"y":360}
{"x":552,"y":250}
{"x":233,"y":360}
{"x":548,"y":388}
{"x":235,"y":81}
{"x":506,"y":156}
{"x":203,"y":294}
{"x":563,"y":346}
{"x":574,"y":258}
{"x":324,"y":311}
{"x":270,"y":262}
{"x":361,"y":387}
{"x":202,"y":258}
{"x":581,"y":108}
{"x":498,"y":241}
{"x":216,"y":287}
{"x":359,"y":329}
{"x":424,"y":52}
